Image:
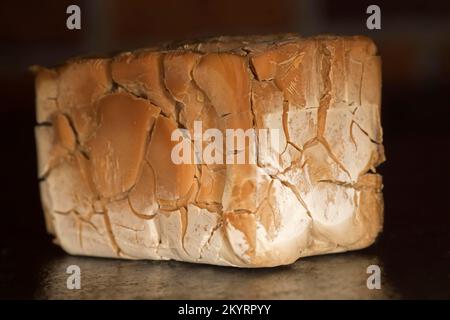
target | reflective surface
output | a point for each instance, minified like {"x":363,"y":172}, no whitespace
{"x":339,"y":276}
{"x":41,"y":274}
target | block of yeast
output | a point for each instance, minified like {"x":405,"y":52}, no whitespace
{"x":110,"y":186}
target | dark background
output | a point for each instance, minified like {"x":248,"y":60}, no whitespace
{"x":414,"y":44}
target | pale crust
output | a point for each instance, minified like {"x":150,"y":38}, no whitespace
{"x":109,"y":187}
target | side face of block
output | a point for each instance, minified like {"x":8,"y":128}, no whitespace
{"x":110,"y":186}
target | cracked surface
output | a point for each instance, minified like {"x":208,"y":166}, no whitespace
{"x":109,"y":187}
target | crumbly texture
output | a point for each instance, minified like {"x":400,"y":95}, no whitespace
{"x":109,"y":187}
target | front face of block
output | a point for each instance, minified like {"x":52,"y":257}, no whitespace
{"x":110,"y":186}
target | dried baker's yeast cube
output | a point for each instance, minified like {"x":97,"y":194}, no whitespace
{"x":110,"y":185}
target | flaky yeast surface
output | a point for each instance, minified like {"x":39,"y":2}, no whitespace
{"x":109,"y":187}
